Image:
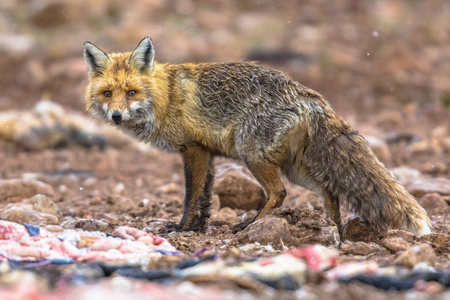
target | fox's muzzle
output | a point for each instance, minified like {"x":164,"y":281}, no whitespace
{"x":117,"y":117}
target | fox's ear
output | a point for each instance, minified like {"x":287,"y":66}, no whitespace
{"x":95,"y":58}
{"x":143,"y":56}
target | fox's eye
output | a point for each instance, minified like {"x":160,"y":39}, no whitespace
{"x":107,"y":94}
{"x":131,"y":93}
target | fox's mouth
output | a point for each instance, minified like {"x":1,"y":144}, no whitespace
{"x":118,"y":122}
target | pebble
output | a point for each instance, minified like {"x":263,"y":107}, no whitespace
{"x":356,"y":229}
{"x":237,"y":188}
{"x":269,"y":229}
{"x":358,"y":248}
{"x":398,"y":240}
{"x":87,"y":224}
{"x":171,"y":188}
{"x":424,"y":186}
{"x":44,"y":204}
{"x":24,"y":213}
{"x":434,"y":204}
{"x":417,"y":254}
{"x":23,"y":188}
{"x":224,"y":216}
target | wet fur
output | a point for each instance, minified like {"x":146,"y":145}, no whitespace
{"x":255,"y":114}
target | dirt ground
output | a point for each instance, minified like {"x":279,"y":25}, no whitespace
{"x":385,"y":67}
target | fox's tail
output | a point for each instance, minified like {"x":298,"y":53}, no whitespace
{"x":339,"y":161}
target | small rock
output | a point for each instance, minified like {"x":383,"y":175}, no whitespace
{"x":25,"y":214}
{"x":225,"y":216}
{"x":269,"y":229}
{"x":119,"y":188}
{"x":434,"y":204}
{"x":44,"y":204}
{"x":406,"y":176}
{"x":403,"y":234}
{"x":439,"y":240}
{"x":95,"y":200}
{"x":156,"y":226}
{"x":170,"y":188}
{"x":398,"y":240}
{"x":327,"y":236}
{"x":302,"y":198}
{"x":91,"y":181}
{"x":356,"y":229}
{"x":424,"y":186}
{"x":63,"y":189}
{"x":358,"y":248}
{"x":380,"y":148}
{"x":54,"y":229}
{"x":421,"y":151}
{"x":237,"y":188}
{"x":110,"y":218}
{"x":23,"y":188}
{"x":308,"y":226}
{"x":415,"y":255}
{"x":87,"y":224}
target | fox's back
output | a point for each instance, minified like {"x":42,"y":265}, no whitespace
{"x":227,"y":91}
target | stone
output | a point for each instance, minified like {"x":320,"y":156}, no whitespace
{"x":95,"y":200}
{"x":268,"y":230}
{"x":434,"y":204}
{"x":380,"y":148}
{"x":225,"y":216}
{"x":299,"y":197}
{"x":357,"y":248}
{"x":308,"y":226}
{"x":439,"y":240}
{"x":119,"y":188}
{"x":327,"y":236}
{"x":406,"y":176}
{"x":424,"y":186}
{"x":23,"y":188}
{"x":237,"y":188}
{"x":415,"y":255}
{"x":87,"y":224}
{"x":358,"y":230}
{"x":398,"y":240}
{"x":56,"y":229}
{"x":110,"y":218}
{"x":25,"y":214}
{"x":170,"y":188}
{"x":44,"y":204}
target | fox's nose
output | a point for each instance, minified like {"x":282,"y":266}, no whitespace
{"x":117,"y":117}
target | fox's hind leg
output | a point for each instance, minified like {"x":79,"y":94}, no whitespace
{"x":268,"y":175}
{"x":332,"y":210}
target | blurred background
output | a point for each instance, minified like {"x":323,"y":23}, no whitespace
{"x":383,"y":65}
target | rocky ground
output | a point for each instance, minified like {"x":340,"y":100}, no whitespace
{"x":96,"y":179}
{"x":384,"y":67}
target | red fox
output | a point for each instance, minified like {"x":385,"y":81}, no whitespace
{"x":258,"y":115}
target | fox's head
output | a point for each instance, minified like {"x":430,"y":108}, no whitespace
{"x":120,"y":84}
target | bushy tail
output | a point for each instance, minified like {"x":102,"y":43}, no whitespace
{"x":339,"y":160}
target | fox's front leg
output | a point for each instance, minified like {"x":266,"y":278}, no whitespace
{"x":198,"y":177}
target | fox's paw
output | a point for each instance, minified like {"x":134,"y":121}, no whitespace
{"x":195,"y":226}
{"x":171,"y":227}
{"x":240,"y":227}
